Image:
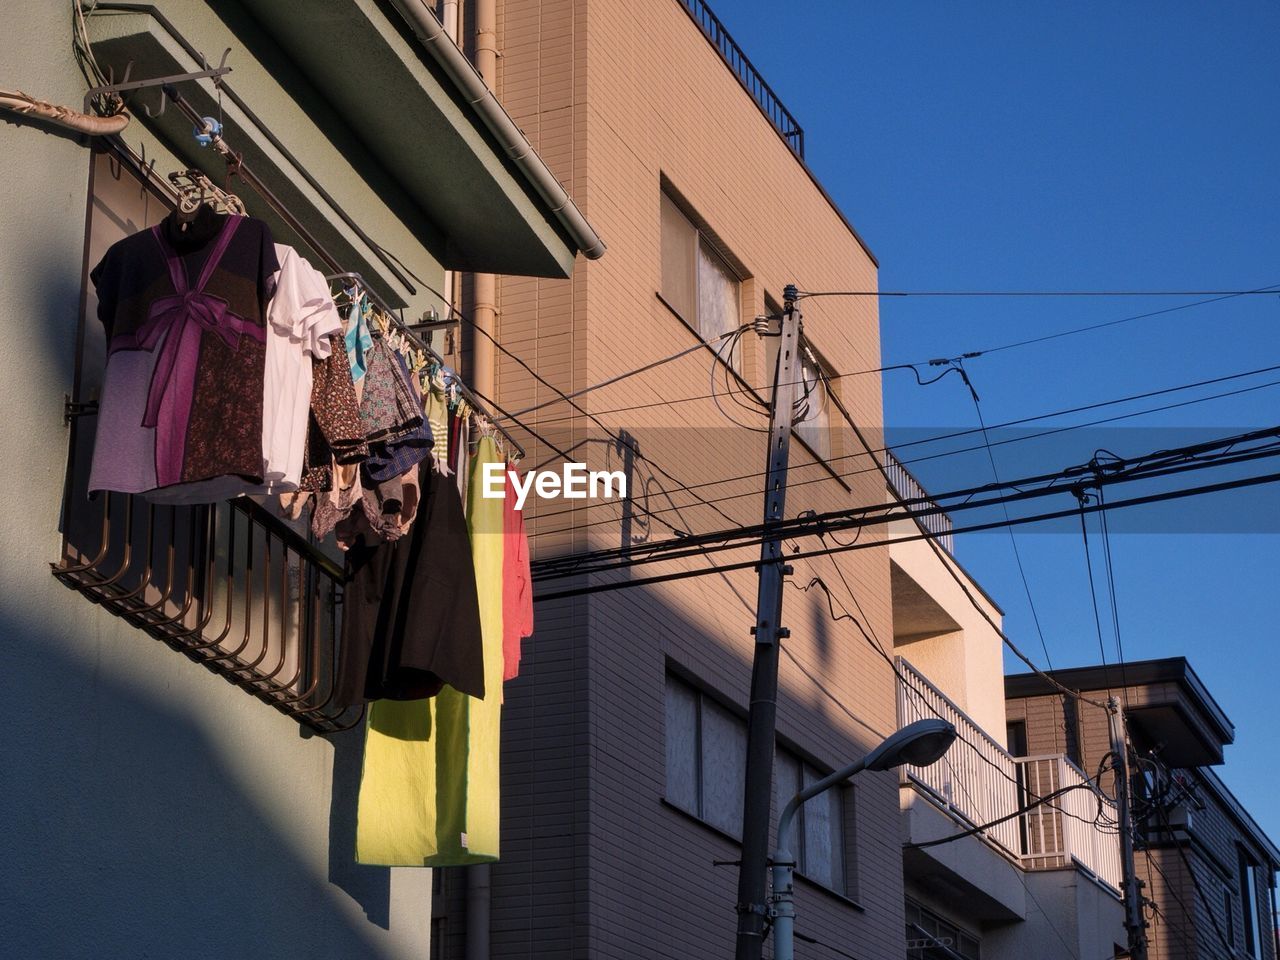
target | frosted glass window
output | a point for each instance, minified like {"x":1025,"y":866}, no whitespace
{"x":679,"y":257}
{"x":813,"y":425}
{"x":824,"y":835}
{"x":786,"y":784}
{"x":706,"y":757}
{"x":682,"y":746}
{"x":818,"y":829}
{"x":724,"y":765}
{"x":718,"y":288}
{"x":696,"y":281}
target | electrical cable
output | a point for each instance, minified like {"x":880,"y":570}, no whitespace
{"x":1179,"y":494}
{"x":937,"y":456}
{"x":454,"y":311}
{"x":1052,"y":795}
{"x":630,"y":373}
{"x":715,"y":367}
{"x":1013,"y":540}
{"x":548,"y":569}
{"x":818,"y":943}
{"x":1115,"y":606}
{"x":960,"y":433}
{"x":1214,"y":296}
{"x":1195,"y":883}
{"x":1181,"y":460}
{"x":864,"y":625}
{"x":1093,"y":593}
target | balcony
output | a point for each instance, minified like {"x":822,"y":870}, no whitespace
{"x":979,"y":782}
{"x":904,"y":486}
{"x":747,"y":74}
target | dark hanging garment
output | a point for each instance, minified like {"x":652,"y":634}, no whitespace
{"x":184,"y":312}
{"x":410,"y":617}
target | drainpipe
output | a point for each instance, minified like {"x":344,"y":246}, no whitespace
{"x":485,"y":285}
{"x":484,"y":292}
{"x":449,"y":19}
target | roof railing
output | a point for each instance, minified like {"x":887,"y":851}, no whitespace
{"x":747,"y":74}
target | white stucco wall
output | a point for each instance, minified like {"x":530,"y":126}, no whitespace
{"x":966,"y":664}
{"x":149,"y":809}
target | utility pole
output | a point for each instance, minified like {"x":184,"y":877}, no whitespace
{"x":752,"y":905}
{"x":1134,"y":923}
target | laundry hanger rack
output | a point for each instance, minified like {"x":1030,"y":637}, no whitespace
{"x":236,"y":165}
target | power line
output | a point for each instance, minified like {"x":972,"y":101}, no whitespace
{"x":971,"y":431}
{"x":1053,"y":795}
{"x":875,"y":467}
{"x":813,"y":294}
{"x":1195,"y":883}
{"x":954,"y":574}
{"x":1037,"y":518}
{"x":1013,"y":541}
{"x":630,"y":373}
{"x":545,"y":382}
{"x":864,"y":625}
{"x":1150,"y":466}
{"x":1093,"y":593}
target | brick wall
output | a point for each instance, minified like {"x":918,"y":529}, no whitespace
{"x":619,"y":99}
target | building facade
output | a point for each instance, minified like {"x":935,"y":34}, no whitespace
{"x":1208,"y":870}
{"x":625,"y":734}
{"x":150,"y":808}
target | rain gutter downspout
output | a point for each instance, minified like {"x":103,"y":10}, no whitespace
{"x":446,"y":53}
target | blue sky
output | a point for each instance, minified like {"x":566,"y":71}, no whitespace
{"x":1072,"y":146}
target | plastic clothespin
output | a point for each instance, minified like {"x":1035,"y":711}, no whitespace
{"x":205,"y":135}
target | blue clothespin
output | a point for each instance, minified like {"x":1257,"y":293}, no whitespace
{"x":214,"y":128}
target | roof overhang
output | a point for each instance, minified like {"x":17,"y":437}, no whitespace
{"x":354,"y":70}
{"x":1168,"y":706}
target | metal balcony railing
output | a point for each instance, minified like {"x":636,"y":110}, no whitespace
{"x":229,"y":585}
{"x":979,"y":782}
{"x":977,"y":779}
{"x":1079,"y":826}
{"x":904,"y":484}
{"x":747,"y":75}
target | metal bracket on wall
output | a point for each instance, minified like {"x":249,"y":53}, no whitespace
{"x":109,"y":89}
{"x":75,"y":408}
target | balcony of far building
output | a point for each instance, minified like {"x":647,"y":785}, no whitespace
{"x":949,"y":658}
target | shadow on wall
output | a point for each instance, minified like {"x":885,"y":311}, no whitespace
{"x":126,"y":836}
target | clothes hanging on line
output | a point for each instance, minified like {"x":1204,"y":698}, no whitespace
{"x":232,"y":369}
{"x":410,"y":618}
{"x":184,"y":312}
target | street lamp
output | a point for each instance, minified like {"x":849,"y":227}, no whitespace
{"x":918,"y":744}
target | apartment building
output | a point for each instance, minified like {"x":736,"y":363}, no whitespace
{"x":1208,"y":870}
{"x":1043,"y":883}
{"x":624,"y":736}
{"x":176,"y":779}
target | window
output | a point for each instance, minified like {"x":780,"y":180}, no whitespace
{"x":819,"y":839}
{"x":813,"y":405}
{"x":1249,"y":905}
{"x":929,"y":937}
{"x":696,"y":281}
{"x":706,"y":757}
{"x":813,"y":418}
{"x":1229,"y":912}
{"x":706,"y":772}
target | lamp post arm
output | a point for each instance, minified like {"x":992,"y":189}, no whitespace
{"x":784,"y":861}
{"x":808,"y":793}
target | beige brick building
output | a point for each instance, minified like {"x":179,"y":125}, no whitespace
{"x":624,"y":736}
